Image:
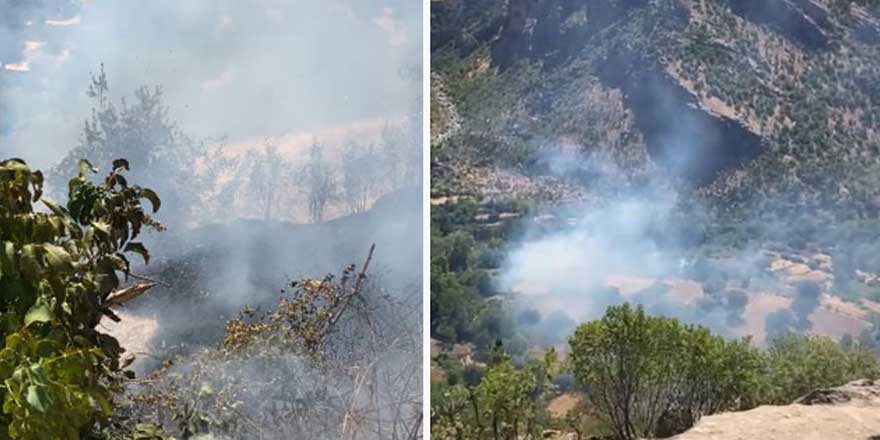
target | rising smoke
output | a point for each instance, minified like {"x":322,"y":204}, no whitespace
{"x":236,"y":79}
{"x":625,"y":250}
{"x":641,"y":243}
{"x":242,"y":70}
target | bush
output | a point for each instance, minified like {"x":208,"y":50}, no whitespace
{"x":648,"y":376}
{"x":57,"y":272}
{"x":506,"y":397}
{"x":652,"y":376}
{"x":800,"y":364}
{"x":502,"y":406}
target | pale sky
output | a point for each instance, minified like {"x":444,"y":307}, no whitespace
{"x":246,"y":70}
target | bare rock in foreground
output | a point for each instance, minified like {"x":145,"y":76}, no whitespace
{"x":849,"y":412}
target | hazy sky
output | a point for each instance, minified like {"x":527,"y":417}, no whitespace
{"x":242,"y":69}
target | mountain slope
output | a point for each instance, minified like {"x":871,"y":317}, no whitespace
{"x":733,"y":97}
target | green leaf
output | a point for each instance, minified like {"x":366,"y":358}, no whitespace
{"x":37,"y":180}
{"x":29,"y":263}
{"x":57,"y":210}
{"x":127,"y":360}
{"x":37,"y":398}
{"x":46,"y":348}
{"x":40,"y":312}
{"x":138,"y":248}
{"x":89,"y":236}
{"x":120,"y":263}
{"x":7,"y":254}
{"x":75,"y":182}
{"x":57,"y":257}
{"x":102,"y":227}
{"x":85,"y":167}
{"x":105,"y":283}
{"x":103,"y":403}
{"x":15,"y":164}
{"x":152,"y":197}
{"x":9,"y":323}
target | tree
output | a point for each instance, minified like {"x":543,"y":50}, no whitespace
{"x":266,"y":171}
{"x":801,"y":363}
{"x":502,"y":406}
{"x":249,"y":182}
{"x":58,"y":269}
{"x":648,"y":376}
{"x":506,"y":399}
{"x":454,"y":309}
{"x":266,"y":178}
{"x":626,"y":362}
{"x":319,"y":183}
{"x":161,"y":154}
{"x":579,"y":419}
{"x":807,"y":297}
{"x":454,"y":413}
{"x":361,"y":176}
{"x":737,"y":300}
{"x":460,"y":251}
{"x":394,"y":156}
{"x":716,"y":375}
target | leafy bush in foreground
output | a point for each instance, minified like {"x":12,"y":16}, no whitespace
{"x":800,"y":364}
{"x":502,"y":406}
{"x":649,"y":376}
{"x":58,"y":269}
{"x":645,"y":373}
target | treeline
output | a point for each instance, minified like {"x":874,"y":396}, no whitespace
{"x":642,"y":377}
{"x":203,"y":179}
{"x":462,"y":287}
{"x":347,"y":184}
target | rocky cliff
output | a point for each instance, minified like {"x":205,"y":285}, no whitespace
{"x":850,"y":412}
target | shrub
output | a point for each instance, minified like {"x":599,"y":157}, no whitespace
{"x":799,"y":364}
{"x":58,"y":269}
{"x":506,"y":396}
{"x":343,"y":359}
{"x":648,"y":376}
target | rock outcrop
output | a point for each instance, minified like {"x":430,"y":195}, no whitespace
{"x":849,"y":412}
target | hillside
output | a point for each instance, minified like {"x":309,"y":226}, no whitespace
{"x":214,"y":271}
{"x":712,"y":162}
{"x":735,"y":97}
{"x":758,"y":119}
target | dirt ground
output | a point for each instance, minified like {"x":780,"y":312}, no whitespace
{"x":133,"y":332}
{"x":833,"y":318}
